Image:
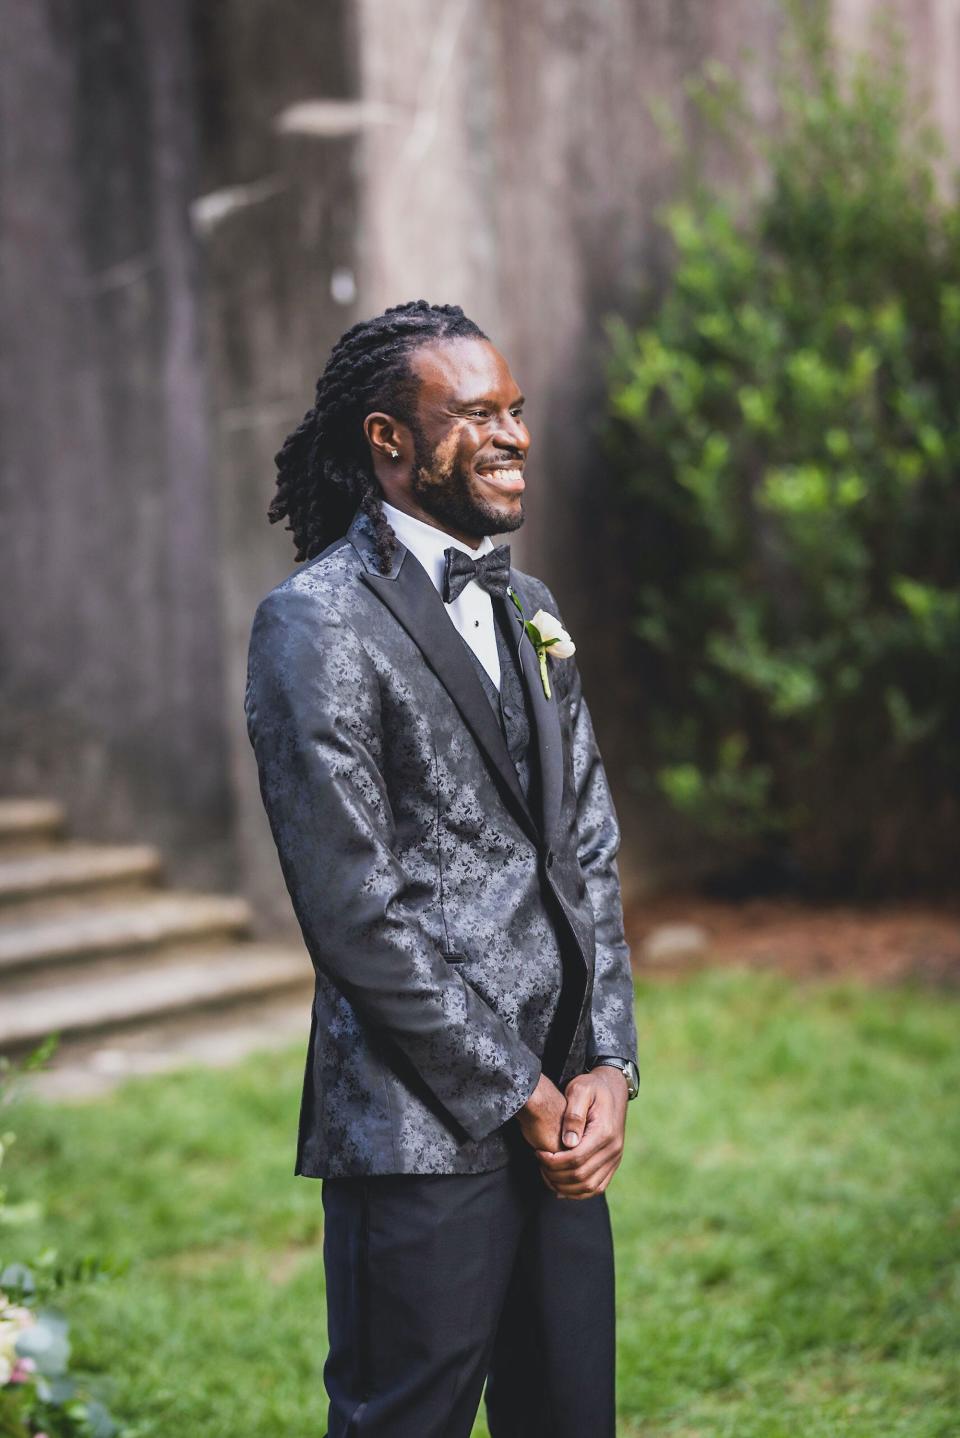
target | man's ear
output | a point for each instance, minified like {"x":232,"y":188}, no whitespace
{"x":390,"y":441}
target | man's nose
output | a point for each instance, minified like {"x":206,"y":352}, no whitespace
{"x":512,"y":433}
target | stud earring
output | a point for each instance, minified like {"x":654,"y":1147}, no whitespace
{"x":394,"y":454}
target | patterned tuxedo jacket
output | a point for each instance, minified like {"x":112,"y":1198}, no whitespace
{"x":453,"y":931}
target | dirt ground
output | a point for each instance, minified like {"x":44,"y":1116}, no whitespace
{"x":881,"y":944}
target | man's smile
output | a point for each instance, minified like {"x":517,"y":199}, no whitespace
{"x":504,"y":476}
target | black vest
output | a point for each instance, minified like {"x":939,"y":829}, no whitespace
{"x":511,"y":703}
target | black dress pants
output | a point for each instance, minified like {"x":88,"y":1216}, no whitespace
{"x":438,"y":1282}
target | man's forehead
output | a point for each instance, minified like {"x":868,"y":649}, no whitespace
{"x":461,"y":369}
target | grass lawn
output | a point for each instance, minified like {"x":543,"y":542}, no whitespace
{"x":787,"y":1220}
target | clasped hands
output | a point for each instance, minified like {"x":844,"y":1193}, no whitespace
{"x":577,"y":1135}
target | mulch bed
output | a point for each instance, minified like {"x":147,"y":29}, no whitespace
{"x":883,"y":943}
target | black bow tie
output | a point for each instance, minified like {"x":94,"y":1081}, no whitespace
{"x":491,"y":571}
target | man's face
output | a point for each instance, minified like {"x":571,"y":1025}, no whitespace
{"x":469,"y":440}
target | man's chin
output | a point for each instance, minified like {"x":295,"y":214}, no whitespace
{"x":506,"y":522}
{"x":479,"y":519}
{"x":500,"y":518}
{"x":460,"y":506}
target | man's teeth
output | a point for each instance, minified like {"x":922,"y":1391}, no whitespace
{"x":506,"y":473}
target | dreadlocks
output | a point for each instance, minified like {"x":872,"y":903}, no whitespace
{"x":324,"y":469}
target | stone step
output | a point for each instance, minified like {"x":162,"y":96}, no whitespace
{"x":104,"y":994}
{"x":77,"y":867}
{"x":83,"y":931}
{"x":87,"y":1068}
{"x":25,"y":823}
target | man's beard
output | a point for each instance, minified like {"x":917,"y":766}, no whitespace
{"x":443,"y":487}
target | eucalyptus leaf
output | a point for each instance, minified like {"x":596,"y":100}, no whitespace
{"x":100,"y":1423}
{"x":17,"y":1277}
{"x":60,"y":1389}
{"x":46,"y":1342}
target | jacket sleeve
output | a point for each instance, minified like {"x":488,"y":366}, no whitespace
{"x":612,"y":1019}
{"x":313,"y":717}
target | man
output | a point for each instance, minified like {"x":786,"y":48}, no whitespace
{"x":448,"y":840}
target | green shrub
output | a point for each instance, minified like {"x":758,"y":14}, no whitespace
{"x":783,"y":433}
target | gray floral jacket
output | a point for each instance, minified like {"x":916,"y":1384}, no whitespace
{"x":441,"y":914}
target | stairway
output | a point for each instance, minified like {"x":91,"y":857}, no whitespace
{"x":134,"y":977}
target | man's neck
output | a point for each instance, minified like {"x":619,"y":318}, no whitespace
{"x":471,"y":540}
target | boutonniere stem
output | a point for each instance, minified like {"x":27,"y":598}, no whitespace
{"x":547,"y":635}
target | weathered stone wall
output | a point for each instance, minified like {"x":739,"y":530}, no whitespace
{"x":167,"y":254}
{"x":276,"y":222}
{"x":110,"y":637}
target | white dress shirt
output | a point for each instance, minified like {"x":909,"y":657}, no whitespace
{"x":472,"y":610}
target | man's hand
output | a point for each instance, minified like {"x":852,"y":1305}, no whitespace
{"x":592,"y":1130}
{"x":539,"y":1119}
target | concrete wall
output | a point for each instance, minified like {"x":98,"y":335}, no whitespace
{"x":276,"y":223}
{"x":111,"y":651}
{"x":167,"y":258}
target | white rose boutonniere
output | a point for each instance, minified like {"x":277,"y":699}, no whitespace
{"x":548,"y":636}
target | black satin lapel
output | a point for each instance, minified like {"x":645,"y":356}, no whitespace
{"x":414,"y":601}
{"x":546,"y":718}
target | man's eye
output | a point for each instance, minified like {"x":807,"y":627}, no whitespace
{"x":480,"y":412}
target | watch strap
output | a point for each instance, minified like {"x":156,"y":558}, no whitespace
{"x":626,"y":1066}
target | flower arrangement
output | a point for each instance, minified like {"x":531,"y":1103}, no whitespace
{"x":39,"y":1397}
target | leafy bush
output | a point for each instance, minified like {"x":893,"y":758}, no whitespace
{"x":783,"y":431}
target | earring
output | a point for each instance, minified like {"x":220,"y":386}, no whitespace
{"x":394,"y":454}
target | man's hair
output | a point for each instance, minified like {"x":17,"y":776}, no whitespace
{"x":324,"y":469}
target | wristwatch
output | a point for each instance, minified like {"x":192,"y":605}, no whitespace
{"x":626,"y":1066}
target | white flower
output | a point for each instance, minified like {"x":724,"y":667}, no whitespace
{"x":13,"y":1321}
{"x":9,"y":1333}
{"x":548,"y":636}
{"x":550,"y":627}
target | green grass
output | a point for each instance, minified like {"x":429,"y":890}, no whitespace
{"x":787,"y":1222}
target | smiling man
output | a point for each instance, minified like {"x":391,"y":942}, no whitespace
{"x":448,"y":839}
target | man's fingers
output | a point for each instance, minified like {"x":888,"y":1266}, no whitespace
{"x":585,"y":1169}
{"x":574,"y":1119}
{"x":596,"y":1136}
{"x":583,"y":1180}
{"x":597,"y":1183}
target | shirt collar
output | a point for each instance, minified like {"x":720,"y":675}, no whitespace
{"x":428,"y":543}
